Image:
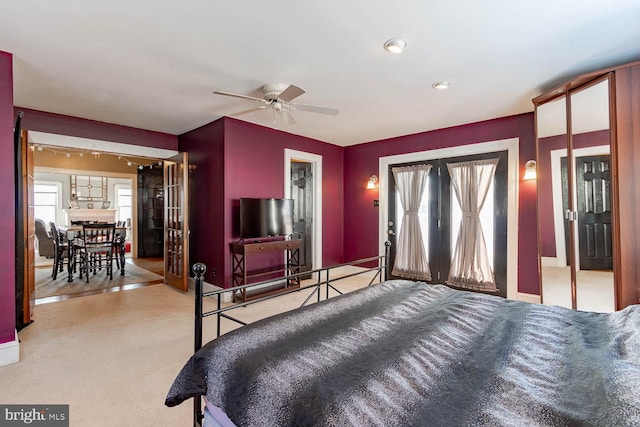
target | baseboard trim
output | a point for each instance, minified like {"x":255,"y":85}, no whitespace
{"x":548,"y":261}
{"x":10,"y":351}
{"x":532,"y":298}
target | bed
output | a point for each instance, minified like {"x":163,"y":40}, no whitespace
{"x":409,"y":353}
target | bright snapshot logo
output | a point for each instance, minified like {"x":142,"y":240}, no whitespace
{"x":36,"y":415}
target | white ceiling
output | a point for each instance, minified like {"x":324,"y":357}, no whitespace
{"x":154,"y":64}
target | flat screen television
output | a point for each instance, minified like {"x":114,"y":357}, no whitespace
{"x":265,"y":217}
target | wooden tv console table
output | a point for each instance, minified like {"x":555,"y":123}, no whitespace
{"x":241,"y":276}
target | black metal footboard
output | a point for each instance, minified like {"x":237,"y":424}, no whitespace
{"x":323,"y":280}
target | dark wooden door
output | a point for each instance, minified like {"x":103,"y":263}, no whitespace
{"x":150,"y":213}
{"x":440,"y":197}
{"x":302,"y":194}
{"x":593,"y":191}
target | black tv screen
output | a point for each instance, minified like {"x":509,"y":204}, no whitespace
{"x":265,"y":217}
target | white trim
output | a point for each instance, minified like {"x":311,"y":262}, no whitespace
{"x":532,"y":298}
{"x":556,"y":196}
{"x":99,"y":145}
{"x":549,"y":261}
{"x":10,"y":351}
{"x":556,"y":191}
{"x":316,"y":171}
{"x":511,"y":146}
{"x":45,"y":169}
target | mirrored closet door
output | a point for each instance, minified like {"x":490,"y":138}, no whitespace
{"x":587,"y":241}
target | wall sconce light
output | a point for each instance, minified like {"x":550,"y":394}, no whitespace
{"x":372,"y":182}
{"x":530,"y":170}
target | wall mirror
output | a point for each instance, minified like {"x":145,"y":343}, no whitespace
{"x":574,"y":199}
{"x":592,"y":197}
{"x":552,"y":196}
{"x":88,"y":188}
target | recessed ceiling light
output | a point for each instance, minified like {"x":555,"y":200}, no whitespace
{"x":441,"y":85}
{"x":395,"y":45}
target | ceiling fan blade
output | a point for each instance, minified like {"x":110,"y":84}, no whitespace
{"x":290,"y":93}
{"x":235,"y":95}
{"x":250,"y":110}
{"x":315,"y":109}
{"x":289,"y":117}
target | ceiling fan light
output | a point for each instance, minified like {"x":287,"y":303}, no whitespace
{"x":395,"y":45}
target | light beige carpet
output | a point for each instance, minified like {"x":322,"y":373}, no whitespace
{"x":113,"y":356}
{"x":47,"y":287}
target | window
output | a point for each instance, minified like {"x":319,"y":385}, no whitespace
{"x":46,"y":201}
{"x":124,"y":201}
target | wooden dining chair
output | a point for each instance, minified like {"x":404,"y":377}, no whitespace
{"x":61,"y":250}
{"x":119,"y":246}
{"x":96,"y":247}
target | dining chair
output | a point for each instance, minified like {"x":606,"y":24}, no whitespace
{"x":61,"y":250}
{"x":96,"y":246}
{"x":119,"y":247}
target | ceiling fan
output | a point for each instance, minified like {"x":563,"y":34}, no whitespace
{"x":278,"y":96}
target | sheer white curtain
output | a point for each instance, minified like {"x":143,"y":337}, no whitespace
{"x":411,"y":257}
{"x":470,"y":266}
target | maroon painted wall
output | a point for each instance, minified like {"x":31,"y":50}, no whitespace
{"x":205,"y":146}
{"x":545,"y":203}
{"x":253,"y":159}
{"x":361,"y":161}
{"x":42,"y":121}
{"x":7,"y":192}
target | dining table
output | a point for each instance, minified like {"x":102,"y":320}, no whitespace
{"x":74,"y":232}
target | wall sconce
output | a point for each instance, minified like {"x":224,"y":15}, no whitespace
{"x":372,"y":182}
{"x":530,"y":170}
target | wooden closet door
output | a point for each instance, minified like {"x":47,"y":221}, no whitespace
{"x":626,"y":155}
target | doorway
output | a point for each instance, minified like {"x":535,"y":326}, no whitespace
{"x":120,"y":193}
{"x":313,"y":195}
{"x":509,"y":145}
{"x":440,"y":217}
{"x":302,"y":195}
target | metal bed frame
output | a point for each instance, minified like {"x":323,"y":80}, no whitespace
{"x":323,"y":279}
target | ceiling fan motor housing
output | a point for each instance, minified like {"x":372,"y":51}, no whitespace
{"x":271,"y":91}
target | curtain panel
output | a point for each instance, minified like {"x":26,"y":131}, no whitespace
{"x":411,"y":256}
{"x":471,"y":265}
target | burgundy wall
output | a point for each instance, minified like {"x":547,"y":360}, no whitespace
{"x":254,"y":167}
{"x":7,"y":213}
{"x":545,"y":203}
{"x":361,"y":161}
{"x":205,"y":146}
{"x":73,"y":126}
